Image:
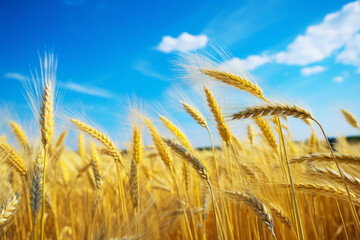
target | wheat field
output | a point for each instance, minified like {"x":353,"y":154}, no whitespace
{"x":264,"y":185}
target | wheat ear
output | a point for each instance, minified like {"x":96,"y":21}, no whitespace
{"x":273,"y":110}
{"x":268,"y":134}
{"x":195,"y":114}
{"x":20,"y":135}
{"x":61,"y":139}
{"x":281,"y":215}
{"x":7,"y":212}
{"x":235,"y":81}
{"x":115,"y":153}
{"x":13,"y":159}
{"x":350,"y":118}
{"x":159,"y":144}
{"x":137,"y":147}
{"x":328,"y":190}
{"x":219,"y":118}
{"x":95,"y":167}
{"x":176,"y":131}
{"x":251,"y":134}
{"x":134,"y":187}
{"x":81,"y":145}
{"x":36,"y":184}
{"x":259,"y":207}
{"x":326,"y":158}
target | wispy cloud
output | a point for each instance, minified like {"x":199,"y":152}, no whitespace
{"x":184,"y":43}
{"x":16,"y":76}
{"x":307,"y":71}
{"x":338,"y":29}
{"x":338,"y":79}
{"x":87,"y":89}
{"x":145,"y":68}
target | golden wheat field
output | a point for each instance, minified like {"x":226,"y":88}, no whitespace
{"x":262,"y":186}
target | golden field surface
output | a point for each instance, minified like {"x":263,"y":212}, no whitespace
{"x":262,"y":186}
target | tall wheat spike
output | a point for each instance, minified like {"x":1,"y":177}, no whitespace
{"x":196,"y":114}
{"x":251,"y":134}
{"x":20,"y":135}
{"x":46,"y":130}
{"x":326,"y":158}
{"x":219,"y":118}
{"x":13,"y":159}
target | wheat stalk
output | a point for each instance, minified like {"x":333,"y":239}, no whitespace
{"x":273,"y":110}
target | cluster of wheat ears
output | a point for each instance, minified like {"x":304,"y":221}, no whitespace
{"x":266,"y":186}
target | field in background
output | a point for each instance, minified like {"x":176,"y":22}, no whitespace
{"x":265,"y":186}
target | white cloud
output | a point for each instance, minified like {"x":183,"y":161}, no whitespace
{"x":338,"y":29}
{"x":86,"y":89}
{"x":145,"y":68}
{"x":351,"y":53}
{"x":338,"y":79}
{"x":307,"y":71}
{"x":320,"y":41}
{"x":184,"y":43}
{"x":16,"y":76}
{"x":250,"y":63}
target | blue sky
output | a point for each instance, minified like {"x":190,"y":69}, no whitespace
{"x":107,"y":50}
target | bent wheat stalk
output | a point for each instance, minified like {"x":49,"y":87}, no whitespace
{"x":199,"y":168}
